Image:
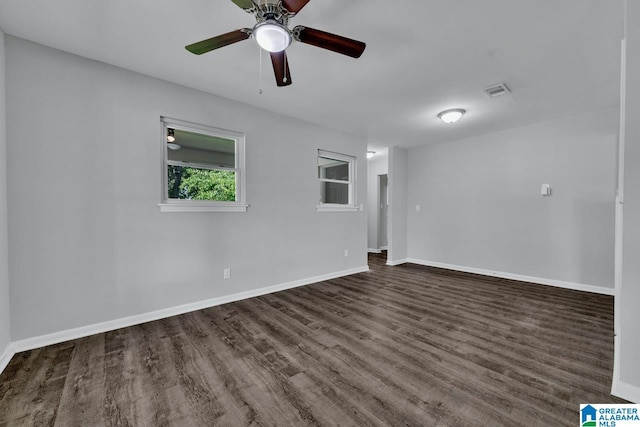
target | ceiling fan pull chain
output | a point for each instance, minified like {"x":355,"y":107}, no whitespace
{"x":260,"y":71}
{"x":286,"y":60}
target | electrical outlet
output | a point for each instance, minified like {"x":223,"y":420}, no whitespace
{"x":227,"y":273}
{"x":346,"y":252}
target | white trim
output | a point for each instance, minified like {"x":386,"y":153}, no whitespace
{"x":174,"y":207}
{"x":336,"y":156}
{"x":335,"y":181}
{"x":206,"y":166}
{"x":206,"y":129}
{"x":519,"y":277}
{"x":6,"y":356}
{"x":350,"y":183}
{"x":337,"y":208}
{"x":619,"y":215}
{"x":626,"y":391}
{"x":84,"y":331}
{"x":397,"y":262}
{"x":384,"y":248}
{"x":374,"y":251}
{"x":171,"y":205}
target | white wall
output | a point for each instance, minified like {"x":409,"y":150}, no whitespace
{"x":628,"y":296}
{"x":481,"y":205}
{"x":88,"y":242}
{"x":5,"y":329}
{"x":398,"y":160}
{"x":378,"y":165}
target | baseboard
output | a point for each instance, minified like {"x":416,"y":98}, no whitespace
{"x":6,"y":356}
{"x":397,"y":262}
{"x":374,"y":251}
{"x":626,"y":391}
{"x":521,"y":278}
{"x":84,"y":331}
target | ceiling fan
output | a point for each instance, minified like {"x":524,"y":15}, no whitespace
{"x":273,"y":34}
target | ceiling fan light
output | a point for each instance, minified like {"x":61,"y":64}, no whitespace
{"x":451,"y":116}
{"x":171,"y":140}
{"x":271,"y":36}
{"x":171,"y":135}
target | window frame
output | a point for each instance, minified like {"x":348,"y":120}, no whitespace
{"x":352,"y":206}
{"x":186,"y":205}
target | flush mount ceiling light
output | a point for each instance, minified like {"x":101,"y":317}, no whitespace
{"x":272,"y":36}
{"x":370,"y":154}
{"x":451,"y":116}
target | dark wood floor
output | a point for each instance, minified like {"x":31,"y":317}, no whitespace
{"x":400,"y":346}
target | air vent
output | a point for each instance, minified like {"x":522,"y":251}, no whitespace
{"x":496,"y":90}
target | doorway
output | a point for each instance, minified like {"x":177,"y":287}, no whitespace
{"x":383,"y":212}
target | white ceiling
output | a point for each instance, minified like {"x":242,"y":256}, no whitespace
{"x":559,"y":57}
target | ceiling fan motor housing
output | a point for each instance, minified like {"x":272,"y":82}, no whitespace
{"x":272,"y":10}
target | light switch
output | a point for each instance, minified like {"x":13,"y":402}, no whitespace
{"x":417,"y":208}
{"x":545,"y":190}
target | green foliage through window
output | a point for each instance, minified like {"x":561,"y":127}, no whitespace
{"x":201,"y":184}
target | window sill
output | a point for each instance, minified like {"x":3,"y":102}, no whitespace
{"x":337,"y":208}
{"x":174,"y":207}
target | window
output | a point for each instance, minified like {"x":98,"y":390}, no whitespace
{"x":203,"y":168}
{"x":336,"y":174}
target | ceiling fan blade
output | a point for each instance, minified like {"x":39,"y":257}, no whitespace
{"x":217,"y":42}
{"x":244,"y":4}
{"x":294,"y":6}
{"x":333,"y":42}
{"x":281,"y":68}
